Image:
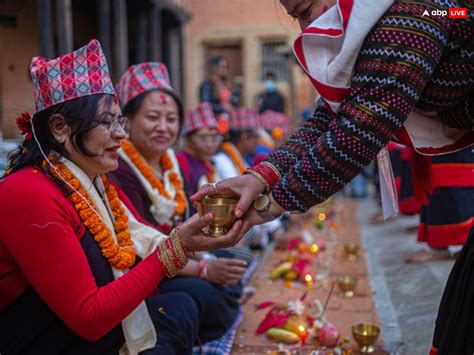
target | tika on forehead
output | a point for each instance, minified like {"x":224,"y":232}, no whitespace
{"x":164,"y":99}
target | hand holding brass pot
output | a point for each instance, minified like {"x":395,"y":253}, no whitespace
{"x":223,"y":211}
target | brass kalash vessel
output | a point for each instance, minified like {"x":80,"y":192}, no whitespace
{"x":366,"y":335}
{"x":351,"y":250}
{"x":347,"y":284}
{"x":223,"y":211}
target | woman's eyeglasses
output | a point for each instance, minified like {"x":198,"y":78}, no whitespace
{"x":114,"y":124}
{"x":209,"y":138}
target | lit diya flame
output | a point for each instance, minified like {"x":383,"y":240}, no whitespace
{"x":314,"y":248}
{"x":302,"y":331}
{"x":322,"y":217}
{"x":309,"y":279}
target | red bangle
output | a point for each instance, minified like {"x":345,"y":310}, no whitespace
{"x":268,"y":174}
{"x":202,"y":271}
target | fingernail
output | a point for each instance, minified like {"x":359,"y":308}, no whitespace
{"x":238,"y":213}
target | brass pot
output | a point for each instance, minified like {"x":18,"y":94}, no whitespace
{"x":366,"y":335}
{"x":351,"y":249}
{"x":223,"y":211}
{"x":347,"y":284}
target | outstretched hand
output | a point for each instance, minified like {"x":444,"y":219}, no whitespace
{"x":193,"y":237}
{"x":246,"y":188}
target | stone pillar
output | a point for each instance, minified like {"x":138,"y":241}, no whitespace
{"x":105,"y":34}
{"x":155,"y":32}
{"x":64,"y":26}
{"x":43,"y":11}
{"x":141,"y":38}
{"x":120,"y":37}
{"x":175,"y":54}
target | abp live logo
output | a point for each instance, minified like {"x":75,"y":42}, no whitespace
{"x":453,"y":12}
{"x":460,"y":12}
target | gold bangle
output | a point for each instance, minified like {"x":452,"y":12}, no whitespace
{"x":171,"y":270}
{"x":165,"y":260}
{"x":183,"y":259}
{"x":262,"y":180}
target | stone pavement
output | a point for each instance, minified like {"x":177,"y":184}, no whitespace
{"x":332,"y":262}
{"x":406,"y":295}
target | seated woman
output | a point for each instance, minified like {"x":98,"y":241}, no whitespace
{"x":202,"y":140}
{"x":242,"y":140}
{"x":150,"y":177}
{"x":148,"y":170}
{"x":77,"y":269}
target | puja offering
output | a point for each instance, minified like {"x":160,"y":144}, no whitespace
{"x":347,"y":284}
{"x":366,"y":335}
{"x":351,"y":250}
{"x":223,"y":211}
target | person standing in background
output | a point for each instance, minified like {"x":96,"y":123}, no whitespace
{"x":216,"y":90}
{"x":446,"y":219}
{"x":271,"y":98}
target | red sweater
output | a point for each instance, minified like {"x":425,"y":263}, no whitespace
{"x":40,"y":233}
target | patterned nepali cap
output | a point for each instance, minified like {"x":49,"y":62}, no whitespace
{"x":201,"y":116}
{"x":243,"y":119}
{"x":271,"y":120}
{"x":142,"y":77}
{"x":80,"y":73}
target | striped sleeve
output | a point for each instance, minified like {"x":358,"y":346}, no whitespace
{"x":302,"y":140}
{"x":396,"y":61}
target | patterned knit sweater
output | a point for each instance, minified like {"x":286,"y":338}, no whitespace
{"x":407,"y":61}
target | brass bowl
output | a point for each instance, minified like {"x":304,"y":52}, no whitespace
{"x":365,"y":335}
{"x":351,"y":249}
{"x":347,"y":284}
{"x":223,"y":211}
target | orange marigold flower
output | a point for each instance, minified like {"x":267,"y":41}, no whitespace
{"x":147,"y":172}
{"x":121,"y":255}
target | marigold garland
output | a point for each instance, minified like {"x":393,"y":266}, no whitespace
{"x":211,"y":176}
{"x":231,"y":151}
{"x":147,"y":172}
{"x":121,"y":255}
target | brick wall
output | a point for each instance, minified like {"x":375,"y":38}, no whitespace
{"x":248,"y":22}
{"x":18,"y":46}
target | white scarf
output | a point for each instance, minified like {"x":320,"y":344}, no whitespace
{"x":162,"y":209}
{"x":138,"y":327}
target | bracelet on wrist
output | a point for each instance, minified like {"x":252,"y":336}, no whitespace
{"x":171,"y":254}
{"x":266,"y":173}
{"x":202,"y":271}
{"x":260,"y":178}
{"x":274,"y":169}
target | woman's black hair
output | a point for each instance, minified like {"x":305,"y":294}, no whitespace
{"x":80,"y":114}
{"x":235,"y":136}
{"x":132,"y":107}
